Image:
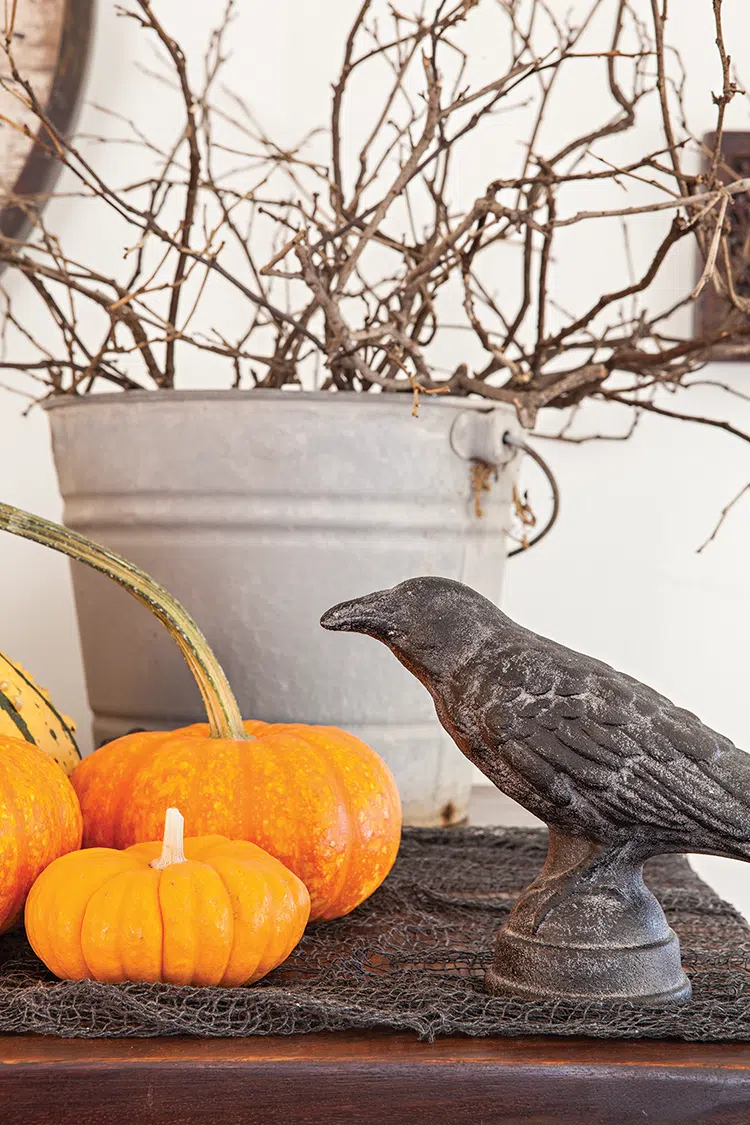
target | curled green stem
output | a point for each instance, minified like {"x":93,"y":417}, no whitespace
{"x":224,"y":718}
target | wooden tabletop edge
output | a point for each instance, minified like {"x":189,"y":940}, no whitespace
{"x":348,"y":1049}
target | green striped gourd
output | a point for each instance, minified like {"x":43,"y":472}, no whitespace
{"x":26,"y":711}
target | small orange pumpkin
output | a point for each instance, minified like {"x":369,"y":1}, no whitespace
{"x":40,"y":819}
{"x":204,"y":911}
{"x":318,"y":799}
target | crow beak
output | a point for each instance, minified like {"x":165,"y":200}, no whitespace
{"x":361,"y":615}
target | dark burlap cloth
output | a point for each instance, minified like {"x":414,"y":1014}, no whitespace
{"x":412,"y":958}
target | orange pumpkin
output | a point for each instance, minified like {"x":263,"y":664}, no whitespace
{"x":202,"y":911}
{"x":39,"y":820}
{"x":316,"y":798}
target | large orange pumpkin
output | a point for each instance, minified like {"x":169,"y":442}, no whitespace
{"x":202,"y":911}
{"x":39,"y":821}
{"x":316,"y":798}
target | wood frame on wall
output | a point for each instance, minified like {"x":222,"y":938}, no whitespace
{"x":42,"y":167}
{"x":711,"y":309}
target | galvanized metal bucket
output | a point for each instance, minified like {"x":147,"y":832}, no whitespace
{"x":259,"y":510}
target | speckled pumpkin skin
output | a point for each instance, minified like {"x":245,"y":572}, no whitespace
{"x":317,"y":798}
{"x":226,"y":916}
{"x":27,"y":712}
{"x":40,"y":819}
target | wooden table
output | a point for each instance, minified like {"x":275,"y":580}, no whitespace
{"x":369,"y":1079}
{"x":363,"y":1079}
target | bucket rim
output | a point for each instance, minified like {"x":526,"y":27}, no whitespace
{"x":295,"y":397}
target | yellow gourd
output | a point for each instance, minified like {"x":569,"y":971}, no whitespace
{"x":27,"y":712}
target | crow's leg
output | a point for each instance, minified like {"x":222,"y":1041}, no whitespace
{"x":577,"y":865}
{"x":570,"y":861}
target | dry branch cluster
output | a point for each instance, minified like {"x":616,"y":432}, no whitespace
{"x":356,"y":255}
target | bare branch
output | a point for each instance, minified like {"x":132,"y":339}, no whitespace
{"x":378,"y":256}
{"x":724,"y":513}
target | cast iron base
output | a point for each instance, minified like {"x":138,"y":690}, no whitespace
{"x":534,"y":969}
{"x":588,"y":928}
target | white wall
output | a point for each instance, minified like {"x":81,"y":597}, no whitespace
{"x":620,"y":576}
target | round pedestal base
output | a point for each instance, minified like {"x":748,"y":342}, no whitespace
{"x":650,"y":975}
{"x":588,"y":928}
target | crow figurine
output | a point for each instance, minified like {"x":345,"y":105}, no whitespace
{"x":618,"y":772}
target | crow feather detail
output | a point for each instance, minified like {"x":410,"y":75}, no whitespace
{"x":589,"y":750}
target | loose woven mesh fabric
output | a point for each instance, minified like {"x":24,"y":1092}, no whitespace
{"x":412,"y":958}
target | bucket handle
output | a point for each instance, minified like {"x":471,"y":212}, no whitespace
{"x":476,"y":436}
{"x":518,"y":443}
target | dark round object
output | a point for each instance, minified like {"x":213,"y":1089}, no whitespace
{"x":51,"y":41}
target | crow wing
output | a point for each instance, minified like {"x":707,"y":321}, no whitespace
{"x":591,"y":746}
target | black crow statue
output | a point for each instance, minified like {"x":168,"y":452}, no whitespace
{"x":618,"y":772}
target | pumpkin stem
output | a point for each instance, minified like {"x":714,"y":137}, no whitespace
{"x":173,"y":842}
{"x":224,"y":716}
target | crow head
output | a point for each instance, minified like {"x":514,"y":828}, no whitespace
{"x":430,"y":624}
